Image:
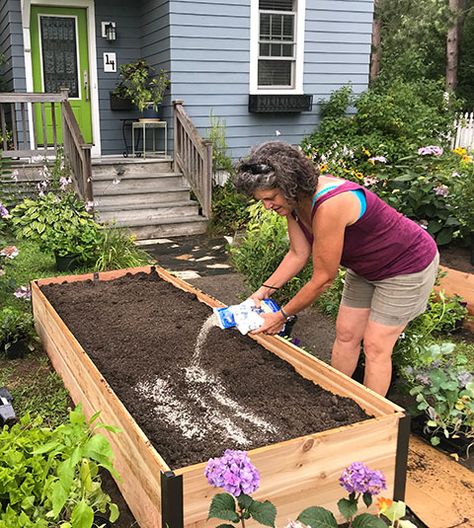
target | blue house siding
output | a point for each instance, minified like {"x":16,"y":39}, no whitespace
{"x":210,"y":53}
{"x":127,"y":48}
{"x":11,"y":46}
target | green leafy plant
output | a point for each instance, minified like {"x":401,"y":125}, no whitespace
{"x":142,"y":84}
{"x":116,"y":250}
{"x":59,"y":224}
{"x":229,"y":209}
{"x":444,"y":391}
{"x":50,"y":477}
{"x":260,"y":252}
{"x":15,"y":325}
{"x":217,"y":135}
{"x":443,"y":315}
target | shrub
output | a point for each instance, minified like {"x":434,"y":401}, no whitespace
{"x":261,"y":251}
{"x":229,"y":209}
{"x":15,"y":325}
{"x":59,"y":224}
{"x":50,"y":476}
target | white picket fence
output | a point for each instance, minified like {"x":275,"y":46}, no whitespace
{"x":464,"y":131}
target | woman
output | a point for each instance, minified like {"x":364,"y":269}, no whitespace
{"x":391,"y":261}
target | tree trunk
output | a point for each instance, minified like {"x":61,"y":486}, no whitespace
{"x":454,"y":32}
{"x":376,"y":42}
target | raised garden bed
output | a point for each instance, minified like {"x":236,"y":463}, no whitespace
{"x":164,"y":484}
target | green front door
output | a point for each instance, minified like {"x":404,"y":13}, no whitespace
{"x":60,"y":57}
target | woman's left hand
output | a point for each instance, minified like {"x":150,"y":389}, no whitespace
{"x":273,"y":323}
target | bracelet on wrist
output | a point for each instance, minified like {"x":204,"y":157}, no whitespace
{"x":271,"y":287}
{"x":285,"y":315}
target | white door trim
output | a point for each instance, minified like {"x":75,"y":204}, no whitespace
{"x":90,"y":13}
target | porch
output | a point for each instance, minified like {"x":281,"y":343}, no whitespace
{"x":151,"y":196}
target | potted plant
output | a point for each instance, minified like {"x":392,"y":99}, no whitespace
{"x":142,"y":85}
{"x":16,"y":331}
{"x":61,"y":225}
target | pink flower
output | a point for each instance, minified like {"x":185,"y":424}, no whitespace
{"x":9,"y":252}
{"x":23,"y":292}
{"x":442,"y":190}
{"x":370,"y":180}
{"x":431,"y":150}
{"x":380,"y":159}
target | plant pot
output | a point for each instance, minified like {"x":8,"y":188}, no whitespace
{"x":151,"y":113}
{"x":68,"y":262}
{"x":102,"y":521}
{"x":17,"y":350}
{"x":458,"y":446}
{"x":117,"y":103}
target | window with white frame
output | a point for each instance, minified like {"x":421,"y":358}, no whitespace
{"x":277,"y":44}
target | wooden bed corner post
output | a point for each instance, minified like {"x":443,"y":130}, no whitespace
{"x":172,"y":515}
{"x":401,"y":460}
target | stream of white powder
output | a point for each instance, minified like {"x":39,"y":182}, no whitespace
{"x":205,"y":390}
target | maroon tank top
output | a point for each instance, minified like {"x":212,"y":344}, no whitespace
{"x":382,"y":243}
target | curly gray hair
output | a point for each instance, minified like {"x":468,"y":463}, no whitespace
{"x":277,"y":165}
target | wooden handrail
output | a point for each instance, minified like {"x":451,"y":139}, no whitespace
{"x":77,"y":152}
{"x":19,"y":141}
{"x":193,"y":157}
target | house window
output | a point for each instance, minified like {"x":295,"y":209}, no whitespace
{"x":277,"y":44}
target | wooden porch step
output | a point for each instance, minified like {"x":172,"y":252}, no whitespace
{"x":109,"y":168}
{"x":133,"y":215}
{"x":129,"y":200}
{"x":168,"y":227}
{"x":138,"y":184}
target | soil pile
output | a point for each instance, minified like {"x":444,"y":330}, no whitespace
{"x":193,"y":388}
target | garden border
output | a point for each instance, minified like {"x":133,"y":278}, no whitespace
{"x":295,"y":473}
{"x":462,"y":284}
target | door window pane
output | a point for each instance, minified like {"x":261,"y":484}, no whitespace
{"x":58,"y":43}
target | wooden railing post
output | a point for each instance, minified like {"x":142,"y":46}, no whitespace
{"x":193,"y":157}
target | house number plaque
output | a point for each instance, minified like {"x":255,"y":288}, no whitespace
{"x":110,"y":62}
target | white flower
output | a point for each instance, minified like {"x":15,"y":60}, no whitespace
{"x":380,"y":159}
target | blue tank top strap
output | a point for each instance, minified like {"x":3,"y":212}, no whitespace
{"x":358,"y":192}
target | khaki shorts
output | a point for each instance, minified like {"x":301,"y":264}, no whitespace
{"x":393,"y":301}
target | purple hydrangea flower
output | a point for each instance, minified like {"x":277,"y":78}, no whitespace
{"x":3,"y":211}
{"x":431,"y":150}
{"x":464,"y":378}
{"x":358,"y":478}
{"x":441,"y":190}
{"x":233,"y":472}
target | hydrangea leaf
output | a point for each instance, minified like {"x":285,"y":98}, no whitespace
{"x":223,"y":507}
{"x":263,"y":512}
{"x":347,"y":508}
{"x":367,"y":498}
{"x":317,"y":517}
{"x":244,"y":501}
{"x":367,"y":520}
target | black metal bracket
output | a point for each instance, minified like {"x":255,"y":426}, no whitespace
{"x":172,"y":514}
{"x":401,"y":460}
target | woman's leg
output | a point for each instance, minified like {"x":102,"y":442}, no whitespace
{"x":350,"y":329}
{"x":379,"y":340}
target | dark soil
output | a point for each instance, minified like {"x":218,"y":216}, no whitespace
{"x":141,"y":332}
{"x":457,"y":258}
